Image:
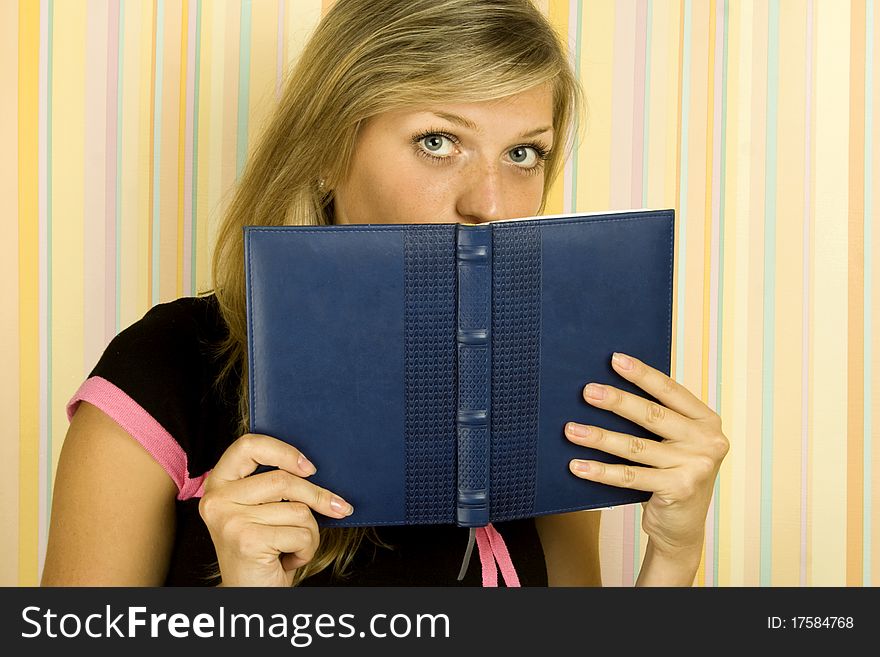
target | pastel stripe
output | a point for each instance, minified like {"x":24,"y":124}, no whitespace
{"x":769,"y":292}
{"x":682,"y":205}
{"x":185,"y":240}
{"x":182,"y":148}
{"x":66,"y":228}
{"x":44,"y":261}
{"x":806,"y":369}
{"x":244,"y":87}
{"x":830,"y":316}
{"x":111,"y":169}
{"x":156,"y":153}
{"x":196,"y":68}
{"x":144,"y":428}
{"x":788,"y":301}
{"x":714,"y":255}
{"x":10,"y":346}
{"x":855,"y":308}
{"x":96,"y":46}
{"x":168,"y":216}
{"x":867,"y":296}
{"x":622,"y":102}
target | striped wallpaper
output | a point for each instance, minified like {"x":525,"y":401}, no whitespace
{"x":123,"y":126}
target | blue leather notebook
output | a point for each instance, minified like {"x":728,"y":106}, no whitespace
{"x":428,"y":370}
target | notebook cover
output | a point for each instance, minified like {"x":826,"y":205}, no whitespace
{"x":428,"y":370}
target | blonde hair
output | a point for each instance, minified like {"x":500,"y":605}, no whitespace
{"x":367,"y":57}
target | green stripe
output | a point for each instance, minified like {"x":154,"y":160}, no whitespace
{"x":244,"y":85}
{"x":867,"y":553}
{"x":719,"y":378}
{"x":769,"y":329}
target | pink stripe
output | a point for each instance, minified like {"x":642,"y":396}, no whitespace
{"x":144,"y":428}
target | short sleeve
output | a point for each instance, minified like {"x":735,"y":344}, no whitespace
{"x":156,"y":379}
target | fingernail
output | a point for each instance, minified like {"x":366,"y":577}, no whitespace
{"x":307,"y":466}
{"x":594,"y":391}
{"x":341,"y":507}
{"x":580,"y":466}
{"x":578,"y":430}
{"x":623,"y":362}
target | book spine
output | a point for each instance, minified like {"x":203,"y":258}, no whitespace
{"x":474,"y":342}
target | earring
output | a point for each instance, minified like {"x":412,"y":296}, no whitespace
{"x":321,"y":184}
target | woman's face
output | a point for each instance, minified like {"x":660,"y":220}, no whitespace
{"x":449,"y":163}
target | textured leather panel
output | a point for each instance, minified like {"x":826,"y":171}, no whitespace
{"x":429,"y":374}
{"x":516,"y":330}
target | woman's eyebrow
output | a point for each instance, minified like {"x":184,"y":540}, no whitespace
{"x":470,"y":125}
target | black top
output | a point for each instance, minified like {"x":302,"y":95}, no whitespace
{"x":163,"y":369}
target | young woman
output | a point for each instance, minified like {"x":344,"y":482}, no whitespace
{"x":398,"y":111}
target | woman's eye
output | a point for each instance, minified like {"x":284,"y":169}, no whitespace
{"x":437,"y":145}
{"x":524,"y":155}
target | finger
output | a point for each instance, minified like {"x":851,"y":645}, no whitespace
{"x":649,"y":414}
{"x":632,"y":448}
{"x":621,"y":475}
{"x":290,"y":514}
{"x":665,"y":389}
{"x":278,"y":486}
{"x":284,"y":540}
{"x":244,"y":455}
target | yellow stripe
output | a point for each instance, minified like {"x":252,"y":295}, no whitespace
{"x":875,"y":323}
{"x":597,"y":48}
{"x":169,"y":192}
{"x":28,"y":279}
{"x":215,"y":133}
{"x":95,"y":182}
{"x":856,"y":292}
{"x":10,"y":395}
{"x":741,"y":117}
{"x":204,"y":207}
{"x":622,"y":70}
{"x":787,"y":426}
{"x":181,"y":142}
{"x":145,"y":145}
{"x":264,"y":61}
{"x":754,"y":358}
{"x":133,"y":178}
{"x":231,"y":45}
{"x":68,"y":210}
{"x":707,"y":227}
{"x":830,"y":318}
{"x":557,"y":14}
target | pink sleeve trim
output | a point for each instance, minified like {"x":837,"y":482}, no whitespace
{"x":144,"y":428}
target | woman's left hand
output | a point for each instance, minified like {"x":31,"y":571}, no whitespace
{"x":683,"y":466}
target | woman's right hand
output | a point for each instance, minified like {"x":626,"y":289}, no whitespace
{"x":262,"y":525}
